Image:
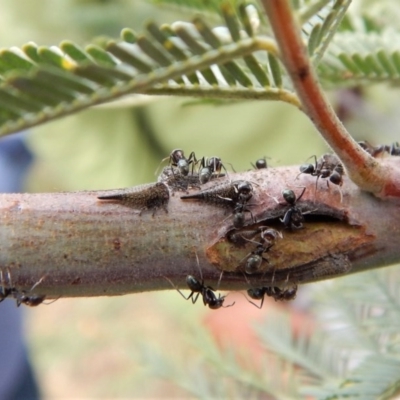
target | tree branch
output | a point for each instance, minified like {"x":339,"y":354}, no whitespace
{"x":82,"y":246}
{"x":364,"y":170}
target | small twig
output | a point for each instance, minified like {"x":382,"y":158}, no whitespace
{"x":363,"y":169}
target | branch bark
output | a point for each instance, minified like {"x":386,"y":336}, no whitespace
{"x":82,"y":246}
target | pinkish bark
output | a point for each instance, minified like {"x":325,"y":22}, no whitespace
{"x":83,"y":246}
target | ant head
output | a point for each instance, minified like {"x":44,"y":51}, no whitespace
{"x":307,"y":168}
{"x":256,"y":293}
{"x":244,"y":187}
{"x":245,"y":190}
{"x":261,"y":163}
{"x":290,"y":294}
{"x":216,"y":303}
{"x":289,"y":196}
{"x":214,"y":163}
{"x":176,"y":155}
{"x":33,"y":300}
{"x":336,"y":178}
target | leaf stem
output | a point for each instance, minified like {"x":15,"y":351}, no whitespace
{"x":364,"y":170}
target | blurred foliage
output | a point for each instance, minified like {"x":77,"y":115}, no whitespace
{"x":160,"y":346}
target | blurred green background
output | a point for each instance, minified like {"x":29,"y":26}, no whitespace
{"x":99,"y":347}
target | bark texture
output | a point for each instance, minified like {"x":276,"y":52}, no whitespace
{"x":83,"y":246}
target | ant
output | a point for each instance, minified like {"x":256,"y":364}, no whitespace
{"x":375,"y":151}
{"x":208,"y":167}
{"x":239,"y":217}
{"x":245,"y":191}
{"x":328,"y":166}
{"x":207,"y":292}
{"x":21,"y":296}
{"x":276,"y":292}
{"x":255,"y":258}
{"x":178,"y":159}
{"x":261,"y":163}
{"x":293,"y":217}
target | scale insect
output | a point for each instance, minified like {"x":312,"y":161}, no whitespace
{"x":146,"y":197}
{"x":178,"y":182}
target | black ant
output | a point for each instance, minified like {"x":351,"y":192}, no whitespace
{"x":239,"y":217}
{"x":328,"y":167}
{"x":29,"y":300}
{"x":207,"y":292}
{"x":375,"y":151}
{"x":255,"y":258}
{"x":293,"y":217}
{"x":21,"y":296}
{"x":208,"y":166}
{"x":245,"y":191}
{"x":261,"y":163}
{"x":394,"y":149}
{"x":276,"y":292}
{"x":178,"y":159}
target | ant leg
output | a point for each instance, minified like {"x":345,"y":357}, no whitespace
{"x":219,"y":280}
{"x":304,"y":189}
{"x":51,"y":302}
{"x":252,"y":287}
{"x":186,"y":298}
{"x":230,"y":305}
{"x":254,"y":304}
{"x":194,"y":298}
{"x":341,"y":194}
{"x":199,"y":268}
{"x":38,"y":282}
{"x":2,"y":287}
{"x":273,"y":198}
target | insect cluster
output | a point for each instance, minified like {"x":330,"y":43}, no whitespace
{"x":327,"y":167}
{"x":381,"y":149}
{"x":235,"y":196}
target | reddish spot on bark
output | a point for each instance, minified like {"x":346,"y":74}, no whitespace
{"x":303,"y":73}
{"x":15,"y":206}
{"x":117,"y":244}
{"x":391,"y":190}
{"x":76,"y":281}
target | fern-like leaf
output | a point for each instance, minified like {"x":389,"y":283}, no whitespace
{"x":42,"y":83}
{"x":233,"y":61}
{"x":359,"y":58}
